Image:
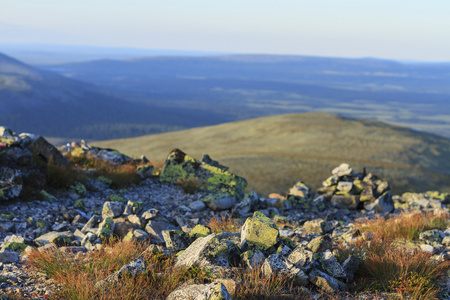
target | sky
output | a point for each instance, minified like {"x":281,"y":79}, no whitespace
{"x":414,"y":30}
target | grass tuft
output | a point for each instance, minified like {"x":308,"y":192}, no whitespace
{"x":190,"y":185}
{"x":224,"y":224}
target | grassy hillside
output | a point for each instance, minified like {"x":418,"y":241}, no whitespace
{"x":272,"y":153}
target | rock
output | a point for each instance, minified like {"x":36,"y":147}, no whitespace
{"x":150,"y":214}
{"x":212,"y":291}
{"x":433,"y":235}
{"x":324,"y":281}
{"x":318,"y":226}
{"x":48,"y":152}
{"x":21,"y":157}
{"x":345,"y":186}
{"x":18,"y":247}
{"x":259,"y":232}
{"x":197,"y":205}
{"x":93,"y":221}
{"x":58,"y":238}
{"x":155,"y":228}
{"x":330,"y":265}
{"x":446,"y":241}
{"x":211,"y":250}
{"x":302,"y":190}
{"x":200,"y":231}
{"x":343,"y":170}
{"x":428,"y":248}
{"x":350,"y":266}
{"x":320,"y":244}
{"x":111,"y":209}
{"x":301,"y":257}
{"x":136,"y":235}
{"x":180,"y":166}
{"x":383,"y":204}
{"x":220,"y":202}
{"x":106,"y":229}
{"x":277,"y":264}
{"x":177,"y":239}
{"x":247,"y":205}
{"x":8,"y":257}
{"x":252,"y":259}
{"x":133,"y":268}
{"x":343,"y":201}
{"x":123,"y":226}
{"x":10,"y":183}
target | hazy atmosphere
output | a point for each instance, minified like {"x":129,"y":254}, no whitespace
{"x":391,"y":29}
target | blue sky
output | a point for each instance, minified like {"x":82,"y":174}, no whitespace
{"x":397,"y":29}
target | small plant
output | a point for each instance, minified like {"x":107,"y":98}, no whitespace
{"x":190,"y":185}
{"x":224,"y":224}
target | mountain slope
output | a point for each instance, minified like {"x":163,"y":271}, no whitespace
{"x":49,"y":104}
{"x":273,"y":152}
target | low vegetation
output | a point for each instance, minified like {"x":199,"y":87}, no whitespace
{"x":392,"y":261}
{"x":387,"y":266}
{"x":273,"y":153}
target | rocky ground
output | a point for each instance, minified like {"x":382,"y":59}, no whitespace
{"x":293,"y":234}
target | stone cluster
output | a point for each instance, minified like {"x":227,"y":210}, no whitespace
{"x":293,"y":235}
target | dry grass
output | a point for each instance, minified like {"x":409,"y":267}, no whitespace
{"x":405,"y":226}
{"x":121,"y":175}
{"x":63,"y":176}
{"x":190,"y":185}
{"x":224,"y":224}
{"x":387,"y":266}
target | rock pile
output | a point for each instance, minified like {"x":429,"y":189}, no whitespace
{"x":293,"y":235}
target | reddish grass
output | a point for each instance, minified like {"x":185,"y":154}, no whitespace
{"x":224,"y":224}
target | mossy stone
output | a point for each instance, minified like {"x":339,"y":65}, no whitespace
{"x":200,"y":231}
{"x":14,"y":246}
{"x":259,"y":232}
{"x":79,"y":204}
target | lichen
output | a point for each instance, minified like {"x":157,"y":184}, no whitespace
{"x":79,"y":204}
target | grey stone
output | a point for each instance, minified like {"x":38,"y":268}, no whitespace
{"x":197,"y":205}
{"x":320,"y":244}
{"x":383,"y":204}
{"x":155,"y":228}
{"x":93,"y":221}
{"x":8,"y":257}
{"x":48,"y":152}
{"x":252,"y":259}
{"x":343,"y":170}
{"x":176,"y":239}
{"x":58,"y":238}
{"x":111,"y":209}
{"x":136,"y":235}
{"x":324,"y":281}
{"x":212,"y":250}
{"x":345,"y":201}
{"x":318,"y":226}
{"x":301,"y":257}
{"x":351,"y":265}
{"x":277,"y":264}
{"x":212,"y":291}
{"x":329,"y":263}
{"x":220,"y":202}
{"x":133,"y":268}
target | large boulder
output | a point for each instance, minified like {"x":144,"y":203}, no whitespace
{"x":179,"y":166}
{"x":259,"y":232}
{"x":48,"y":152}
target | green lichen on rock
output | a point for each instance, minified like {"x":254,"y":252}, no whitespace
{"x":41,"y":224}
{"x":137,"y":205}
{"x":180,"y":166}
{"x":47,"y":196}
{"x":200,"y":231}
{"x":79,"y":204}
{"x":104,"y":179}
{"x":259,"y":232}
{"x":117,"y":198}
{"x":79,"y":188}
{"x":1,"y":193}
{"x":14,"y":246}
{"x":8,"y":216}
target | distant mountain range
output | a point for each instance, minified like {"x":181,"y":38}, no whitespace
{"x":46,"y":103}
{"x":272,"y":153}
{"x":107,"y":99}
{"x":249,"y":86}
